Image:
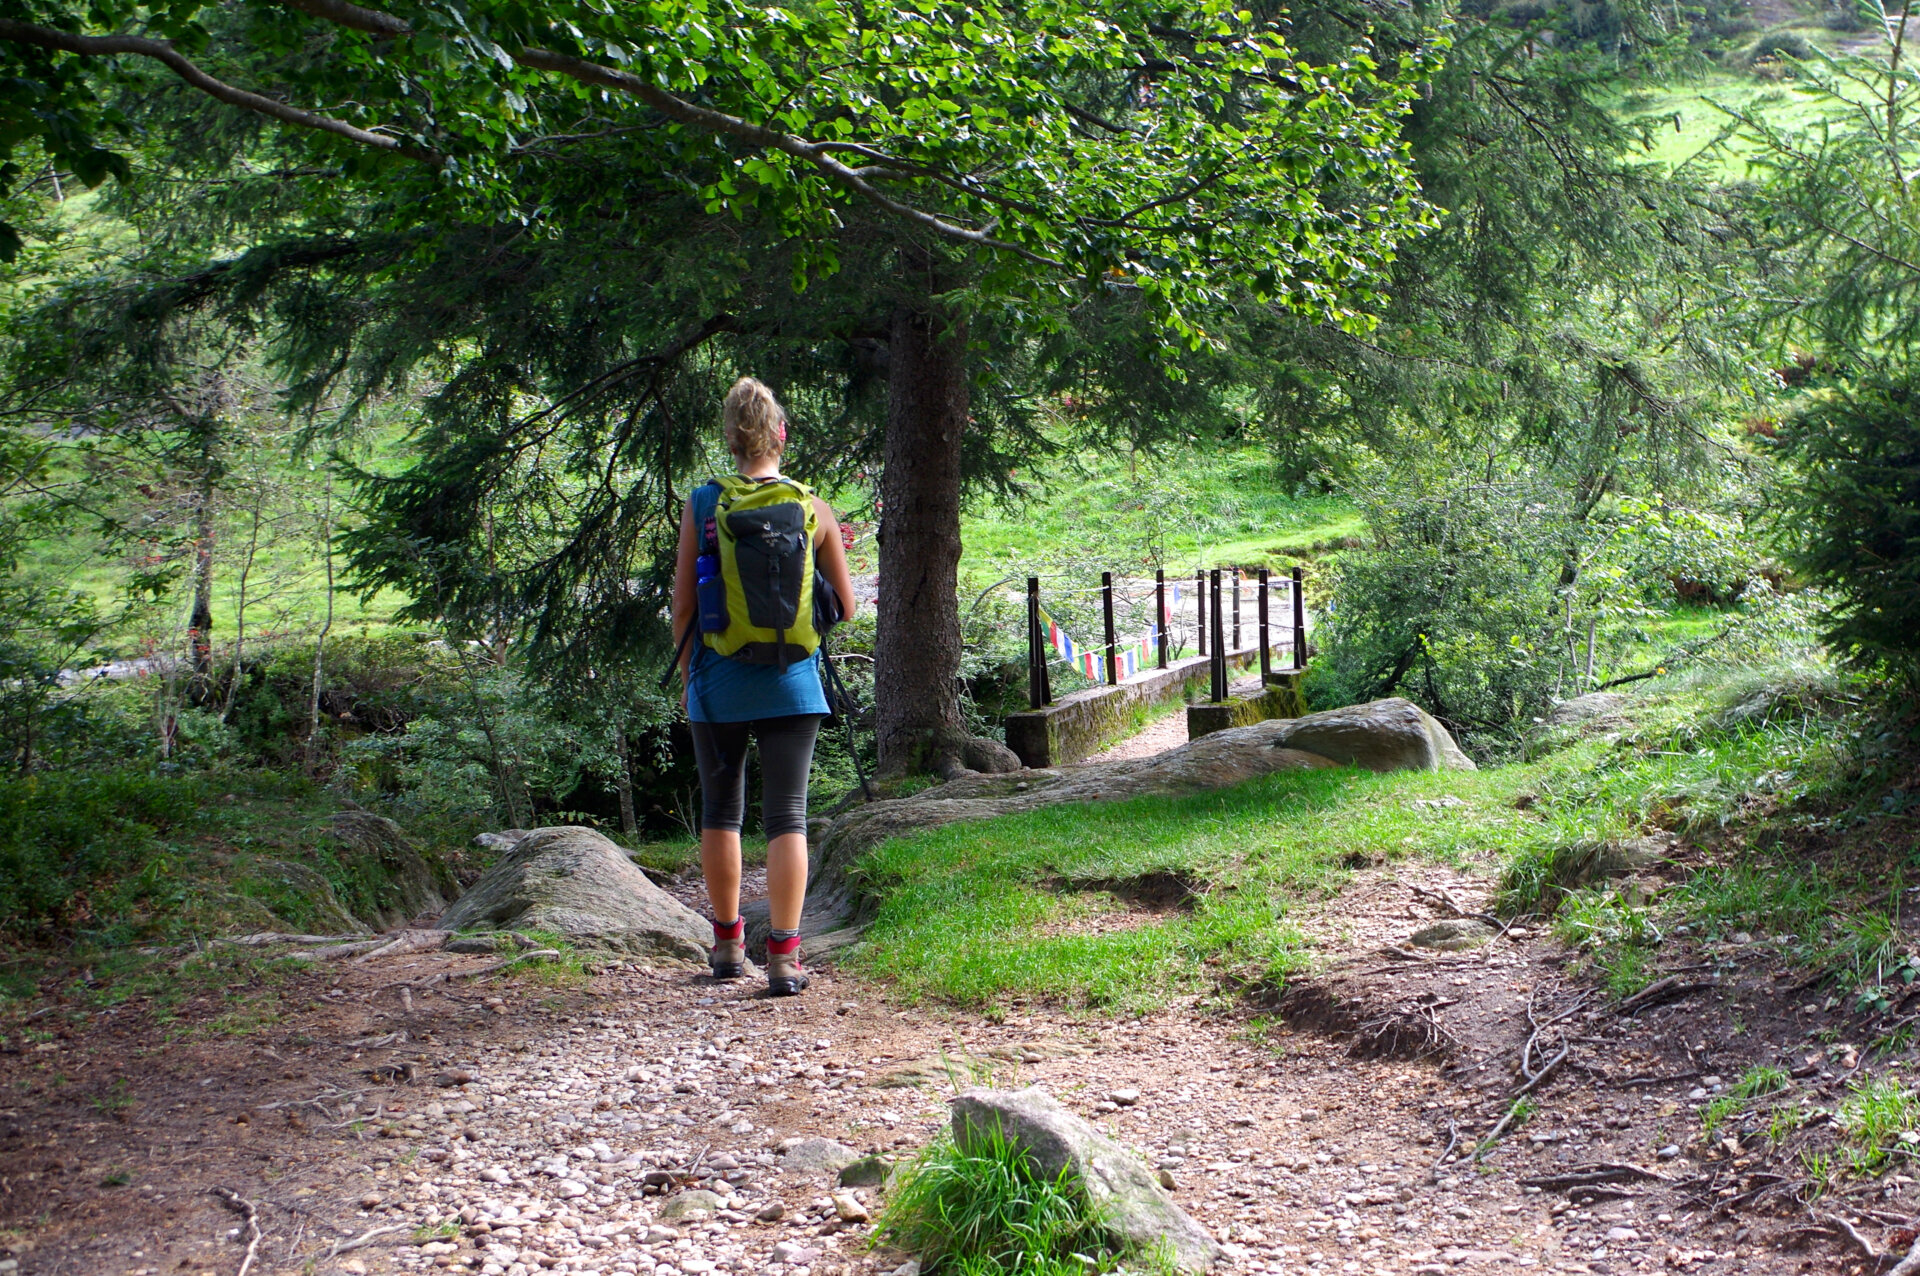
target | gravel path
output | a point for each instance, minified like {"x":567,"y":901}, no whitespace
{"x":1163,"y":733}
{"x":519,"y":1127}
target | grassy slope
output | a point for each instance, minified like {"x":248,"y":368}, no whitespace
{"x":1685,"y":120}
{"x":1199,"y":508}
{"x":978,"y":912}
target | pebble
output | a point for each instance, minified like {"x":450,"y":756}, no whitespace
{"x":1125,"y":1098}
{"x":794,"y":1253}
{"x":817,"y":1154}
{"x":1622,"y":1234}
{"x":771,"y":1212}
{"x":849,"y":1208}
{"x":689,"y":1205}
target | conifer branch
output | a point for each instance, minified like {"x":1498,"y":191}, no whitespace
{"x":163,"y":52}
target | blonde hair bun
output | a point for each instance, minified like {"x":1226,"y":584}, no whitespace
{"x":755,"y":423}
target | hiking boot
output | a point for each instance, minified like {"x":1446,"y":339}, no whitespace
{"x":785,"y":975}
{"x":728,"y":957}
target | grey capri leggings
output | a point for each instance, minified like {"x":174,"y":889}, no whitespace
{"x":786,"y":756}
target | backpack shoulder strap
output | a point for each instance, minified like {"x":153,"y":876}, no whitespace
{"x":705,"y":501}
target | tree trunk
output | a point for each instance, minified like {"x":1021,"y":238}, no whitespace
{"x":200,"y":626}
{"x":623,"y":783}
{"x":320,"y":645}
{"x":917,"y":629}
{"x":240,"y":605}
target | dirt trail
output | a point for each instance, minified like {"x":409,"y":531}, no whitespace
{"x":538,"y":1119}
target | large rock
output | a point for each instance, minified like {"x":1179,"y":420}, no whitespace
{"x":573,"y":882}
{"x":1595,"y":704}
{"x":1381,"y":735}
{"x":1117,"y":1182}
{"x":989,"y":756}
{"x":401,"y":885}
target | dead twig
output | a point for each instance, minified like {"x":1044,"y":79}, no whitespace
{"x":1441,"y":901}
{"x":1453,"y":1141}
{"x":247,"y":1210}
{"x":1513,"y":1101}
{"x":1834,"y":1223}
{"x":1403,"y":1032}
{"x":1667,"y":989}
{"x":365,"y":1238}
{"x":1909,"y":1265}
{"x":298,"y":1233}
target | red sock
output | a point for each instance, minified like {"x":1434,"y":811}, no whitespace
{"x":730,"y":930}
{"x":784,"y":946}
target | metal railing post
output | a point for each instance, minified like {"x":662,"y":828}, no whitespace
{"x":1200,"y":602}
{"x":1218,"y":665}
{"x":1106,"y":605}
{"x":1266,"y":655}
{"x":1160,"y":612}
{"x":1036,"y":648}
{"x":1236,"y":610}
{"x":1299,"y":621}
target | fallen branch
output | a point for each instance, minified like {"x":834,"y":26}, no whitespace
{"x":1599,"y":1172}
{"x":1513,"y":1102}
{"x":365,"y":1238}
{"x":1909,"y":1265}
{"x":1661,"y":990}
{"x":265,"y":937}
{"x":246,"y":1209}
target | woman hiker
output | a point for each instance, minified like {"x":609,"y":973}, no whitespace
{"x":745,"y":577}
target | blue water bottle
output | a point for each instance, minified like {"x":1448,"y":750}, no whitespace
{"x":713,"y":594}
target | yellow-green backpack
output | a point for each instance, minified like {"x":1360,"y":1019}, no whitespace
{"x":763,"y":530}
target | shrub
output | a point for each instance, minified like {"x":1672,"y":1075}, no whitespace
{"x":78,"y":848}
{"x":1779,"y":45}
{"x":1451,"y":606}
{"x":1859,"y":508}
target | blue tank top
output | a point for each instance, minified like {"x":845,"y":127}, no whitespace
{"x":723,"y":690}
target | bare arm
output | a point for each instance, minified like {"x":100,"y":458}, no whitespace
{"x":686,"y":599}
{"x":831,"y":556}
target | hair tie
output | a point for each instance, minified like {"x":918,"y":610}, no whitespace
{"x":780,"y":431}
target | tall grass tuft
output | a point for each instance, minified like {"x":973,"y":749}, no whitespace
{"x":986,"y":1211}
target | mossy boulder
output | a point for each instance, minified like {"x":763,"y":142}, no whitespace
{"x":573,"y":882}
